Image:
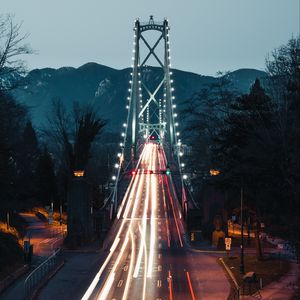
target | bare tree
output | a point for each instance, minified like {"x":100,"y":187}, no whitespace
{"x":73,"y":134}
{"x":12,"y":46}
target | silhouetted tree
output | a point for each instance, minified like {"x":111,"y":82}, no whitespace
{"x":26,"y":162}
{"x":72,"y":135}
{"x":283,"y":67}
{"x":13,"y":117}
{"x":45,"y":179}
{"x":12,"y":46}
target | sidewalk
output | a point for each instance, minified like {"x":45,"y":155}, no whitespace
{"x":283,"y":289}
{"x":72,"y":280}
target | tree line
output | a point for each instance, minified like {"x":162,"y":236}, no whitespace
{"x":36,"y":165}
{"x":253,"y":141}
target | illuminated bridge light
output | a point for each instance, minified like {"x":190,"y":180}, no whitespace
{"x":214,"y":172}
{"x":78,"y":173}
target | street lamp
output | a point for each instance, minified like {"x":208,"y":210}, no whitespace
{"x":242,"y":266}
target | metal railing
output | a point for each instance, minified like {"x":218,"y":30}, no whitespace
{"x":37,"y":275}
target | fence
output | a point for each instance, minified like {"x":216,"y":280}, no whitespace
{"x":34,"y":279}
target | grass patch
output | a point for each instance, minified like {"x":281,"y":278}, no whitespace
{"x":269,"y":269}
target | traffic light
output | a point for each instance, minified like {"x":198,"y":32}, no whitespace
{"x":167,"y":172}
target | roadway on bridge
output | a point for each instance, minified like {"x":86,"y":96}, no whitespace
{"x":149,"y":257}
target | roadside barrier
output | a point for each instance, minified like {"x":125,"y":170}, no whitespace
{"x":35,"y":278}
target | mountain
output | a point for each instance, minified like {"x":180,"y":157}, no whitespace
{"x":107,"y":88}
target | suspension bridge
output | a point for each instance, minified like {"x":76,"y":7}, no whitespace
{"x":147,"y":247}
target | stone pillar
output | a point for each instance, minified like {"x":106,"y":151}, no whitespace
{"x":80,"y":217}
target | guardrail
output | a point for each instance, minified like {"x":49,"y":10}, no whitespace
{"x":37,"y":275}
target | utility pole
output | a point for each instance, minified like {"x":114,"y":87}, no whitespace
{"x":7,"y":220}
{"x":242,"y":266}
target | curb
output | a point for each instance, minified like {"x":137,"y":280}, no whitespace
{"x":229,"y":273}
{"x":207,"y":251}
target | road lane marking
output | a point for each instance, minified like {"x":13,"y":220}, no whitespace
{"x":190,"y":286}
{"x":159,"y":283}
{"x":159,"y":255}
{"x":159,"y":268}
{"x":125,"y":268}
{"x":120,"y":283}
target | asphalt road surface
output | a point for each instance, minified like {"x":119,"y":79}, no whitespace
{"x":149,"y":257}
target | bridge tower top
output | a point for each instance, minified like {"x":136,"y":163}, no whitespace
{"x":151,"y":92}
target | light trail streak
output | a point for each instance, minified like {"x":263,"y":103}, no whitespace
{"x":166,"y":216}
{"x":144,"y":223}
{"x":107,"y":287}
{"x":173,"y":209}
{"x":110,"y":280}
{"x":125,"y":294}
{"x":96,"y":279}
{"x":190,"y":286}
{"x":153,"y":221}
{"x":130,"y":185}
{"x":161,"y":165}
{"x":170,"y":285}
{"x":145,"y":269}
{"x":114,"y":245}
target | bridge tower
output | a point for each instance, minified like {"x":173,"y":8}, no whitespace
{"x":151,"y":100}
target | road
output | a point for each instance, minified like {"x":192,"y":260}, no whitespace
{"x":148,"y":257}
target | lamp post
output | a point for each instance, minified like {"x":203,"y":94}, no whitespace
{"x":242,"y":266}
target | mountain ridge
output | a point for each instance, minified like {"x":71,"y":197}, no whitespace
{"x":107,"y":88}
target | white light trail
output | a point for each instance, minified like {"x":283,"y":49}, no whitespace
{"x":126,"y":290}
{"x":152,"y":222}
{"x":107,"y":287}
{"x":145,"y":269}
{"x":144,"y":218}
{"x":130,"y":186}
{"x":110,"y":280}
{"x":96,"y":279}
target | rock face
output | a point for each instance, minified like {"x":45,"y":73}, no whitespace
{"x":107,"y":88}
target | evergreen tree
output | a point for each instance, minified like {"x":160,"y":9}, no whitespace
{"x":46,"y":179}
{"x":240,"y":149}
{"x":26,"y":161}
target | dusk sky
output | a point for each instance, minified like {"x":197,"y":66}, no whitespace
{"x":206,"y":35}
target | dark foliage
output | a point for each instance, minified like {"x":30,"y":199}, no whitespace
{"x":11,"y":252}
{"x":254,"y":141}
{"x":46,"y":183}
